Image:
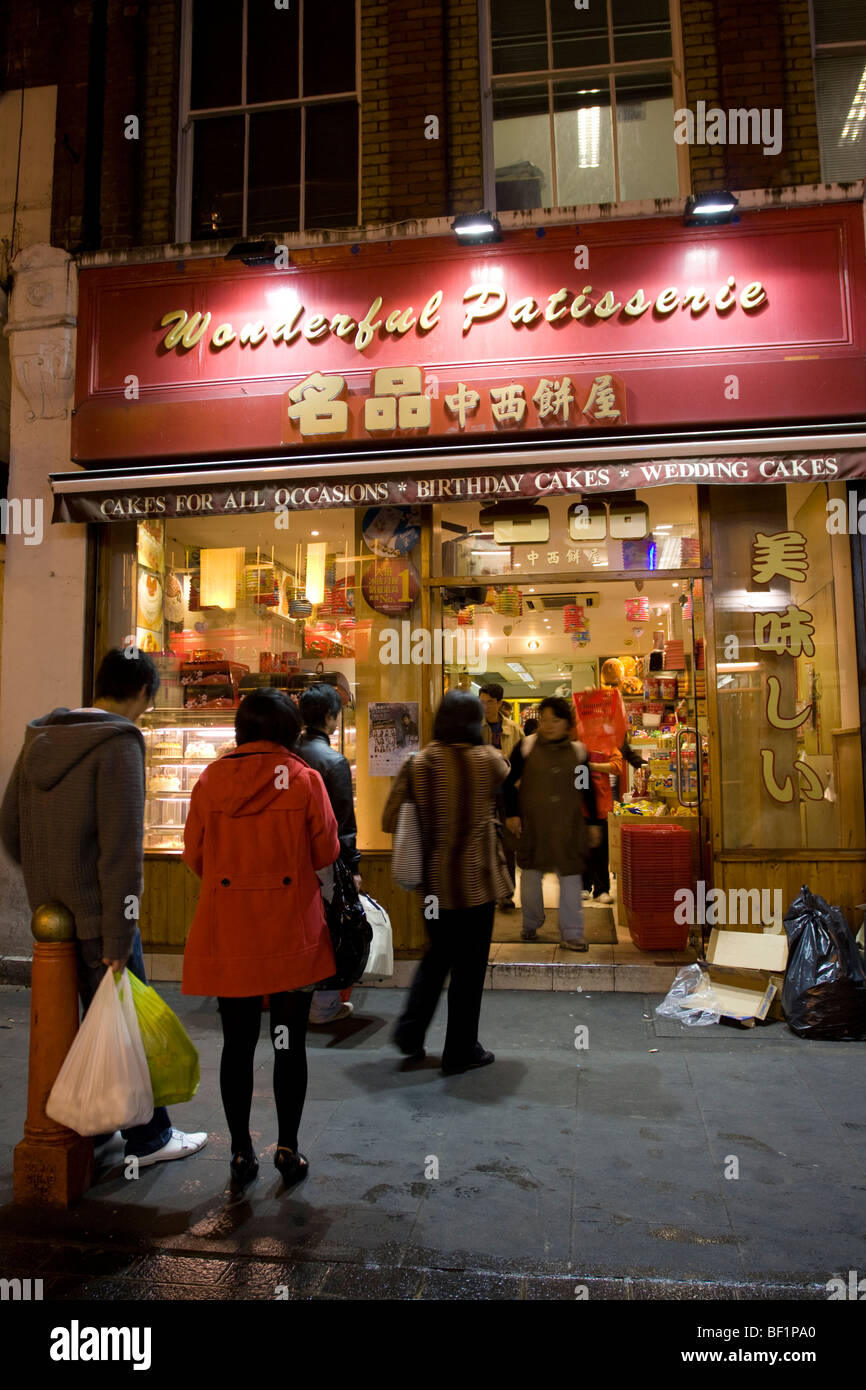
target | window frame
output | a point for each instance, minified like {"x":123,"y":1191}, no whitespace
{"x":848,"y":48}
{"x":675,"y":65}
{"x":187,"y":121}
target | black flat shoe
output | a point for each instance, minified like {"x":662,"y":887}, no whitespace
{"x":410,"y":1050}
{"x":291,"y":1166}
{"x":481,"y":1059}
{"x":243,"y":1168}
{"x":412,"y":1059}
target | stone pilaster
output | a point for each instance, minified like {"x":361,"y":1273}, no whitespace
{"x":44,"y":592}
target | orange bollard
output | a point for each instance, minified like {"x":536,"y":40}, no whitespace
{"x":53,"y":1165}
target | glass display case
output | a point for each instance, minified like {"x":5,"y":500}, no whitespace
{"x":179,"y":744}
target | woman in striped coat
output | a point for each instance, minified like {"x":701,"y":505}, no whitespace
{"x":454,"y":781}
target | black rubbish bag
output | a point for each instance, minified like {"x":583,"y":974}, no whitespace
{"x":351,"y":933}
{"x":824,"y":994}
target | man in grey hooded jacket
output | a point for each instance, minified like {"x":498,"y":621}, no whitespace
{"x":73,"y":818}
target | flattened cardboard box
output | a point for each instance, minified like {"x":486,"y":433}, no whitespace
{"x":746,"y":969}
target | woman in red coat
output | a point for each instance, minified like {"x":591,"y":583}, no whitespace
{"x":259,"y":826}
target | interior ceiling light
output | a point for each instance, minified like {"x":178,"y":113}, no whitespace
{"x":710,"y":209}
{"x":253,"y":252}
{"x":855,"y":123}
{"x":475,"y":228}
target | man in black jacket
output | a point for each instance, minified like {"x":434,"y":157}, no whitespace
{"x":320,"y":707}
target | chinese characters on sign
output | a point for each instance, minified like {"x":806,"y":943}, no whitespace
{"x":400,"y":399}
{"x":788,"y":633}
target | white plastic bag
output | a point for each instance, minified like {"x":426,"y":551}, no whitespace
{"x":381,"y":958}
{"x":690,"y":999}
{"x":104,"y":1083}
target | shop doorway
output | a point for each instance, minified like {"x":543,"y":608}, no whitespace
{"x":538,"y":638}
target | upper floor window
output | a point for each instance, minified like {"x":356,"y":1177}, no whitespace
{"x":840,"y":88}
{"x":582,"y":101}
{"x":269,"y":133}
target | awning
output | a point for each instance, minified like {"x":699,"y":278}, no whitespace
{"x":234,"y":487}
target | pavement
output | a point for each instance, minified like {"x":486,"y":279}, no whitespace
{"x":651,"y":1163}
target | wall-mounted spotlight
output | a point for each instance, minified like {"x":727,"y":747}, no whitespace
{"x":253,"y":252}
{"x":474,"y":228}
{"x":709,"y":209}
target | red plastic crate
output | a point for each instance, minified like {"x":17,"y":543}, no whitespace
{"x":656,"y":862}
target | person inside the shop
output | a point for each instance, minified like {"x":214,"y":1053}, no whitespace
{"x":259,"y":827}
{"x":320,"y":708}
{"x":73,"y":817}
{"x":408,"y":728}
{"x":551,"y":812}
{"x":596,"y":880}
{"x":505,"y":734}
{"x":454,"y":781}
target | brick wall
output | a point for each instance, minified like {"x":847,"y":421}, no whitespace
{"x":417,"y":62}
{"x":159,"y":122}
{"x":746,"y":56}
{"x":464,"y":107}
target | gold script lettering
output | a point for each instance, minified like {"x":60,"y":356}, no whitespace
{"x":400,"y":321}
{"x":489,"y":301}
{"x":753,"y":295}
{"x":223,"y":335}
{"x":429,"y":316}
{"x":368,"y":325}
{"x":186,"y":331}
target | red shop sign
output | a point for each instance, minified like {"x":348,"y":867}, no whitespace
{"x":761,"y":321}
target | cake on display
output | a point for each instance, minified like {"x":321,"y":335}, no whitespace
{"x":163,"y":782}
{"x":168,"y":748}
{"x":200,"y":749}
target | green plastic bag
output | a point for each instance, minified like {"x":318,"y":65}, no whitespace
{"x":171,"y":1058}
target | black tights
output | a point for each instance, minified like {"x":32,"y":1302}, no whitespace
{"x":241,"y":1021}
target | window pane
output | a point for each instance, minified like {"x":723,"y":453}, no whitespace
{"x":273,"y":202}
{"x":329,"y":47}
{"x":218,"y":177}
{"x":518,"y":35}
{"x":839,"y":21}
{"x":641,"y":29}
{"x":521,"y":148}
{"x":579,"y":36}
{"x":584,"y":143}
{"x":841,"y":100}
{"x":332,"y":165}
{"x":216,"y":53}
{"x":814,"y":669}
{"x":272,"y":52}
{"x":645,"y":137}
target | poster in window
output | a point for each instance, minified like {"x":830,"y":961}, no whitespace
{"x":393,"y":736}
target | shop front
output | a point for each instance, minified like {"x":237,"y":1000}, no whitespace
{"x":540,"y":464}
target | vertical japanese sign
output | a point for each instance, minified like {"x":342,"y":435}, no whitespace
{"x":787,"y":633}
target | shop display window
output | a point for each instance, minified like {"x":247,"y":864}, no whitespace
{"x":786,"y":671}
{"x":227,"y":605}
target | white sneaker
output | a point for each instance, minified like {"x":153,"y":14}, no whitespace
{"x":343,"y":1012}
{"x":586,"y":893}
{"x":604,"y":898}
{"x":179,"y":1146}
{"x":100,"y":1149}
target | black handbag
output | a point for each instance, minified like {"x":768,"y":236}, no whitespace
{"x":351,"y":933}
